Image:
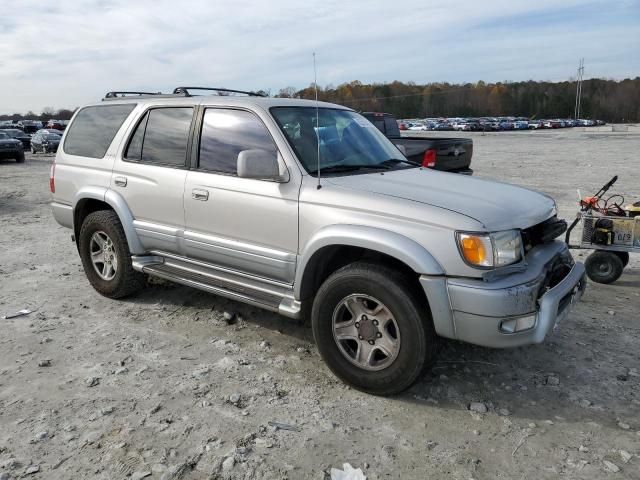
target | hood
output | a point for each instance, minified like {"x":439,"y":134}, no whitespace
{"x":498,"y":206}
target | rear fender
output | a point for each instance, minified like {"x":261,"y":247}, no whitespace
{"x":119,"y":205}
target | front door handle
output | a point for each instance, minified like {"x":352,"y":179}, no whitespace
{"x":120,"y":181}
{"x":198,"y":194}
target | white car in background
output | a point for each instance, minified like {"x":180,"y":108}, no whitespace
{"x":461,"y":125}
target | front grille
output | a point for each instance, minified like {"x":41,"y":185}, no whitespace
{"x":543,"y":232}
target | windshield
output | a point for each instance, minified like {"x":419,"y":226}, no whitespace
{"x":347,"y":139}
{"x":3,"y":136}
{"x":51,"y":137}
{"x":13,"y":133}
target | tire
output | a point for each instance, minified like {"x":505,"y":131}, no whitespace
{"x":369,"y":286}
{"x":121,"y":279}
{"x":20,"y":158}
{"x":33,"y":150}
{"x":624,"y":256}
{"x":603,"y":266}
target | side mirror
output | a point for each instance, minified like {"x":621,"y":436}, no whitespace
{"x":261,"y":165}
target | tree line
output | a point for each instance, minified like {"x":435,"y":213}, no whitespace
{"x":609,"y":100}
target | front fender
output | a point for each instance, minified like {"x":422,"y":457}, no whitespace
{"x":390,"y":243}
{"x":119,"y":205}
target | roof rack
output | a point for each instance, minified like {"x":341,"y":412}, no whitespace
{"x":185,"y":91}
{"x":124,"y":94}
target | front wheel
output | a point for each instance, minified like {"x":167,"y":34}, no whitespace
{"x":105,"y":255}
{"x":20,"y":158}
{"x":372,"y":329}
{"x":603,"y":266}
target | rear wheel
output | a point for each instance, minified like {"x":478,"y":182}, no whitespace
{"x":106,"y":257}
{"x":33,"y":150}
{"x":603,"y":266}
{"x":372,"y":329}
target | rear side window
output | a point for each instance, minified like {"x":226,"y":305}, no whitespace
{"x":378,"y":122}
{"x":225,"y":133}
{"x":93,"y":129}
{"x":161,"y":137}
{"x":391,"y":126}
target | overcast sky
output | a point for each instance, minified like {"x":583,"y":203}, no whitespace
{"x":65,"y":53}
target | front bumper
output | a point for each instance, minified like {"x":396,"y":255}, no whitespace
{"x":13,"y":153}
{"x":486,"y":313}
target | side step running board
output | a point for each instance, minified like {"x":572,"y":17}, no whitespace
{"x":273,"y":296}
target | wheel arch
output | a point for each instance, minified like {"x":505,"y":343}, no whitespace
{"x":92,"y":199}
{"x":335,"y":246}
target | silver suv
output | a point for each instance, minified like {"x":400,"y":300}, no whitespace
{"x":303,"y":207}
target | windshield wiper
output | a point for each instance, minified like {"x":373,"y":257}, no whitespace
{"x":350,"y":168}
{"x":401,"y":160}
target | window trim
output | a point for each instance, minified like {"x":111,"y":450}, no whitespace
{"x":73,"y":121}
{"x":198,"y":138}
{"x":141,"y":118}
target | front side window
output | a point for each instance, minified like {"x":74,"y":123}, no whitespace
{"x":161,"y":137}
{"x":93,"y":129}
{"x":348,"y":142}
{"x":226,"y":133}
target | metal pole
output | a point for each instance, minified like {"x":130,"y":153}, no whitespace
{"x":580,"y":84}
{"x":575,"y":110}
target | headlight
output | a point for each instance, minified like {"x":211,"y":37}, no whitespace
{"x":488,"y":250}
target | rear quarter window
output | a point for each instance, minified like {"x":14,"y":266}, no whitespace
{"x":93,"y":129}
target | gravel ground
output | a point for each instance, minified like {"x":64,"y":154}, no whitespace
{"x":161,"y":386}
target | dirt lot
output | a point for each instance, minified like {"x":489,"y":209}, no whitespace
{"x":159,"y":386}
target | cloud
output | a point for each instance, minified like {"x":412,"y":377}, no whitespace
{"x":69,"y":53}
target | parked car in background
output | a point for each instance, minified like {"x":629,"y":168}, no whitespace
{"x":11,"y":148}
{"x":45,"y":142}
{"x":49,"y":130}
{"x":18,"y":135}
{"x":446,"y":154}
{"x":55,"y":124}
{"x":461,"y":125}
{"x":30,"y":126}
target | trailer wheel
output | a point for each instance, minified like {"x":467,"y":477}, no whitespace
{"x":603,"y":266}
{"x":624,"y":256}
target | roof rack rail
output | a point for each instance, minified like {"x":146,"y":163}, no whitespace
{"x":185,"y":91}
{"x":117,"y":94}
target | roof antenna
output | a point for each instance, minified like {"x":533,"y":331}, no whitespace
{"x":315,"y":86}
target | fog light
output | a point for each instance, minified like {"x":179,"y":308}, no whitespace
{"x":518,"y":324}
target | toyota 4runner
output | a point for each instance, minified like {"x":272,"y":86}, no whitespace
{"x":296,"y":206}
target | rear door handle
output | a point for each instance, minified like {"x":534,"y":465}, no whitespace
{"x":120,"y":181}
{"x":198,"y":194}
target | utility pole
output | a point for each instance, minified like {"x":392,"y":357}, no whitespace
{"x":579,"y":88}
